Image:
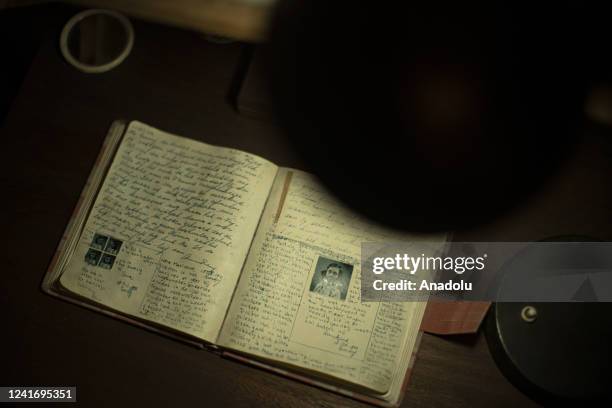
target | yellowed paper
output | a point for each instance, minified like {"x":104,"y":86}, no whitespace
{"x":298,"y":300}
{"x":170,"y":230}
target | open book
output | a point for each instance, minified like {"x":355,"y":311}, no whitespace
{"x":226,"y":250}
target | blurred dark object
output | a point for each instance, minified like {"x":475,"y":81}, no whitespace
{"x":429,"y":115}
{"x":557,"y":353}
{"x":561,"y":358}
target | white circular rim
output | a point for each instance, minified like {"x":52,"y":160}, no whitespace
{"x":96,"y":69}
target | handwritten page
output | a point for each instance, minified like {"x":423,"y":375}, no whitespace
{"x":298,"y":300}
{"x":170,"y":230}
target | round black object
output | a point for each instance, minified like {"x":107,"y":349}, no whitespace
{"x":430,"y":115}
{"x":557,"y":353}
{"x":563,"y":357}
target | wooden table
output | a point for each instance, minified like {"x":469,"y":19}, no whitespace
{"x":176,"y":81}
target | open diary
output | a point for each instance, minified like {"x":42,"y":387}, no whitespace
{"x":226,"y":250}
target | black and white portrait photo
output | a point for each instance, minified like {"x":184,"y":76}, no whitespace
{"x":107,"y":261}
{"x":99,"y":241}
{"x":92,"y":256}
{"x":331,"y":278}
{"x":113,"y":246}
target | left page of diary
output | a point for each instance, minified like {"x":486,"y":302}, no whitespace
{"x":170,"y":228}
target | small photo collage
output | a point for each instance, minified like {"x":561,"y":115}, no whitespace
{"x":102,"y":251}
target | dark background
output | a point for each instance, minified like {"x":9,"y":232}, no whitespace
{"x":55,"y":121}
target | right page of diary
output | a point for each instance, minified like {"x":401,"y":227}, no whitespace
{"x":298,"y":298}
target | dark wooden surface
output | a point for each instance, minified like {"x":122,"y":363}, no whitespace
{"x":176,"y":81}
